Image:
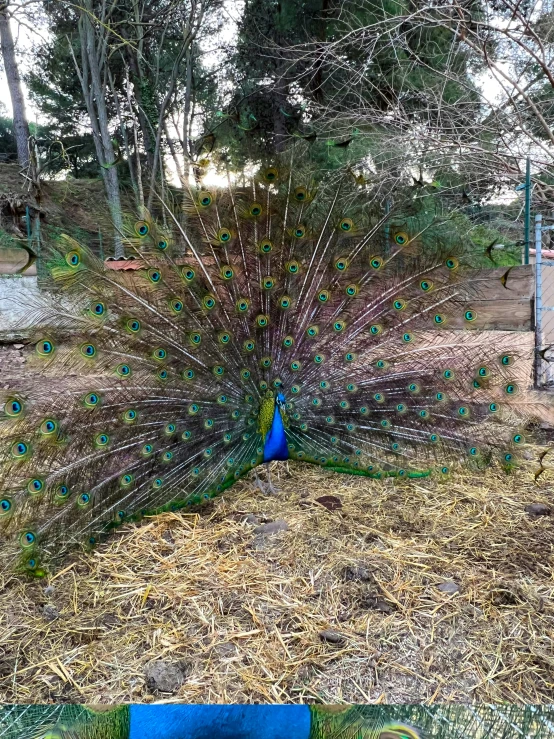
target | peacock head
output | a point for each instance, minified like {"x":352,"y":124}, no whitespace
{"x":280,"y":400}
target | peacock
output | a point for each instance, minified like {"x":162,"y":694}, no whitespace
{"x":282,"y":316}
{"x":182,"y":721}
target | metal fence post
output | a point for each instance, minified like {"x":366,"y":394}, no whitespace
{"x":527,"y":209}
{"x":538,"y":299}
{"x":28,"y":222}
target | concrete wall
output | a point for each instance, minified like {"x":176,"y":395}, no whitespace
{"x":17,"y":293}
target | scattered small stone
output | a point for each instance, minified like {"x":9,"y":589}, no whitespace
{"x":304,"y":494}
{"x":165,"y":677}
{"x":357,"y":573}
{"x":49,"y":590}
{"x":331,"y":502}
{"x":538,"y":509}
{"x":167,"y":536}
{"x":252,"y":519}
{"x":272,"y":527}
{"x":528,"y":455}
{"x":50,"y":613}
{"x":332,"y":637}
{"x":377,"y":604}
{"x":448,"y":587}
{"x":225,"y":650}
{"x":110,"y":619}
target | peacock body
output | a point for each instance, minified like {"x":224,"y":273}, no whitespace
{"x":298,"y":325}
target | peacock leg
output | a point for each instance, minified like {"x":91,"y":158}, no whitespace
{"x":258,"y":483}
{"x":270,"y":488}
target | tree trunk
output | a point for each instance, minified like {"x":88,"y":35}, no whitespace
{"x":20,"y":124}
{"x":94,"y":94}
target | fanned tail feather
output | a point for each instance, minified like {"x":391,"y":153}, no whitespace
{"x":153,"y":389}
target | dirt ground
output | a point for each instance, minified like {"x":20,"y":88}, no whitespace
{"x":410,"y":591}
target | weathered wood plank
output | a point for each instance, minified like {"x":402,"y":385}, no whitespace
{"x":486,"y":284}
{"x":494,"y":315}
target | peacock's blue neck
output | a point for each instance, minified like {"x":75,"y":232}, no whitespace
{"x":276,"y":446}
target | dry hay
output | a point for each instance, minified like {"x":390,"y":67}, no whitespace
{"x":240,"y":613}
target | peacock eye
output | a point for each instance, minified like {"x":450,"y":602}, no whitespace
{"x":88,"y":350}
{"x":73,"y":258}
{"x":242,"y":305}
{"x":13,"y":407}
{"x":98,"y":309}
{"x":265,"y":246}
{"x":142,"y":228}
{"x":401,"y":238}
{"x":154,"y":275}
{"x":205,"y":199}
{"x":346,"y":225}
{"x":45,"y":347}
{"x":226,"y":272}
{"x":188,"y":273}
{"x":255,"y":210}
{"x":5,"y":506}
{"x":293,"y":267}
{"x":300,"y":194}
{"x":92,"y":400}
{"x":376,"y":262}
{"x":35,"y":486}
{"x":224,"y":235}
{"x":162,"y":245}
{"x":48,"y":427}
{"x":341,"y":264}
